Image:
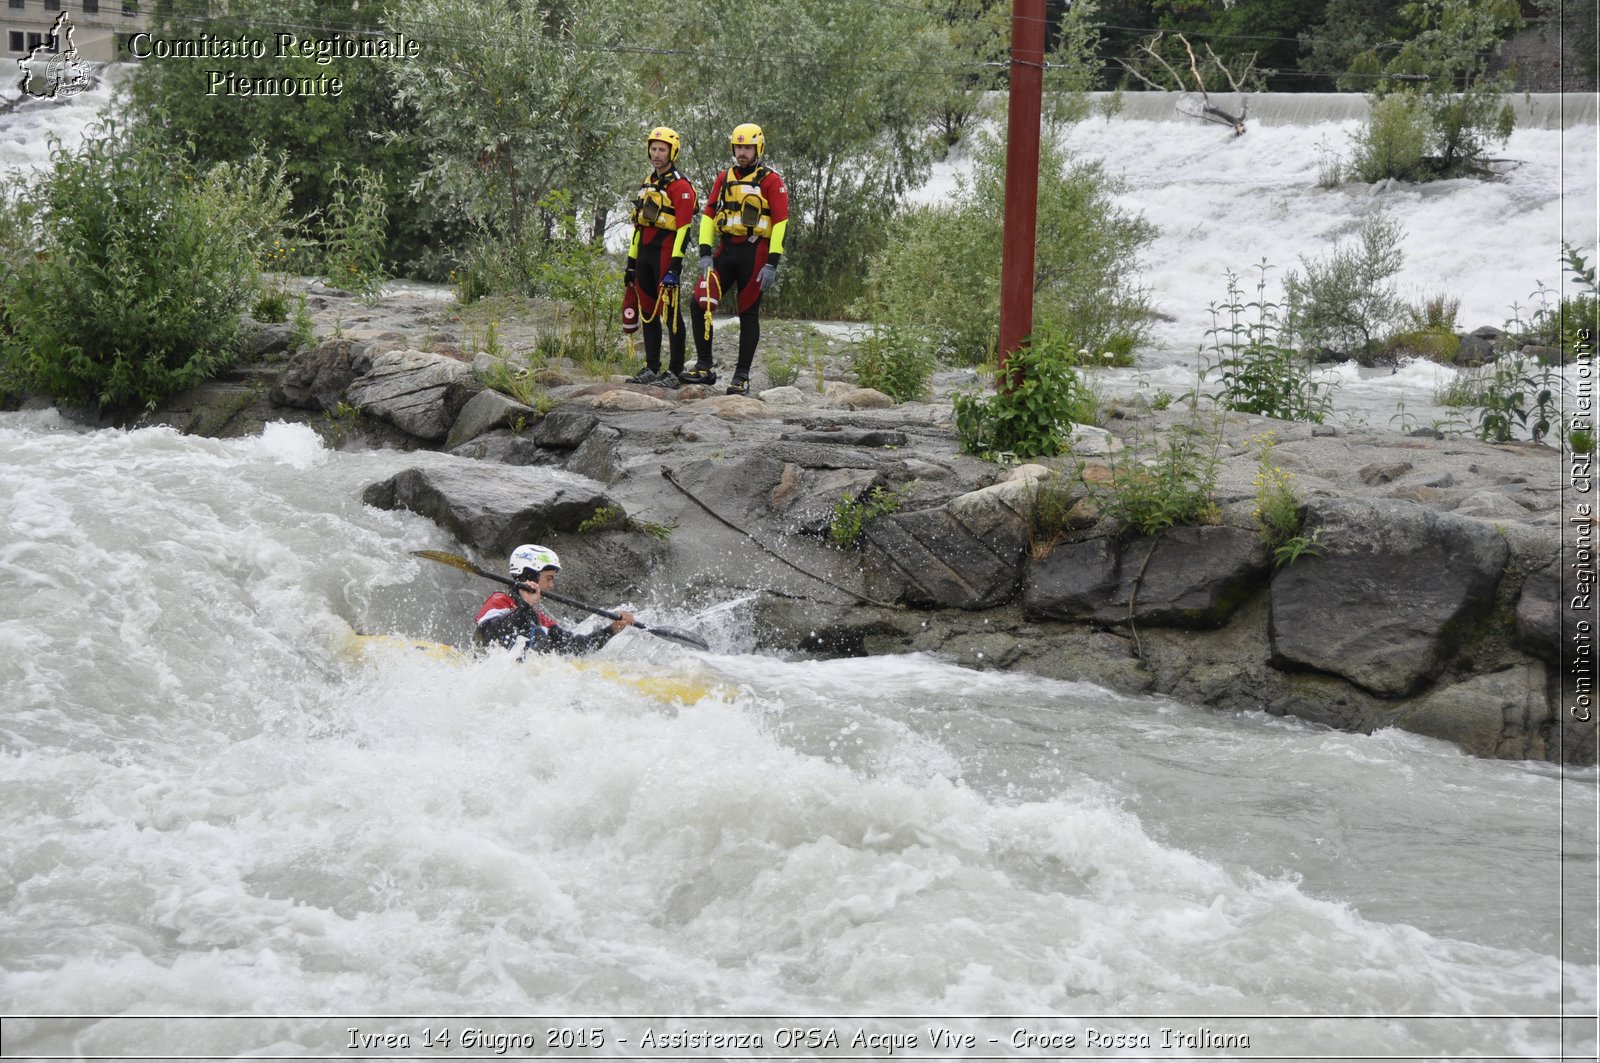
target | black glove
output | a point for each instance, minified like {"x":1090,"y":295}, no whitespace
{"x":768,"y":274}
{"x":627,"y":275}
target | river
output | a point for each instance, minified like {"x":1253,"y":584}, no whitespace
{"x":210,"y":810}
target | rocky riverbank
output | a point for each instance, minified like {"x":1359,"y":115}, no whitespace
{"x":1435,"y":603}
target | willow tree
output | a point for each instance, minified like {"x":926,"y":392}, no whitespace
{"x":512,"y":103}
{"x":1440,"y":71}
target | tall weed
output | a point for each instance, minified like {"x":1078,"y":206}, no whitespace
{"x":1256,"y":373}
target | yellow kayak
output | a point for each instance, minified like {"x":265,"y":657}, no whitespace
{"x":662,"y":686}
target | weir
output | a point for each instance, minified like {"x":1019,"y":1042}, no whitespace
{"x":1538,"y":110}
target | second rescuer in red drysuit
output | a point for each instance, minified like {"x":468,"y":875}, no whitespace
{"x":748,"y":206}
{"x":663,"y":214}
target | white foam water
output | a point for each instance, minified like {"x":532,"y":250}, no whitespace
{"x":209,"y":810}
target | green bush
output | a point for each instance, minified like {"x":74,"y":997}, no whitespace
{"x":1034,"y":417}
{"x":577,"y":275}
{"x":940,"y":268}
{"x":352,"y":232}
{"x":894,"y":360}
{"x":1174,"y":486}
{"x":1277,"y":511}
{"x":1347,"y":301}
{"x":1562,"y":320}
{"x":1439,"y":66}
{"x":1393,"y":143}
{"x":140,"y":268}
{"x":852,"y":515}
{"x":1512,"y":392}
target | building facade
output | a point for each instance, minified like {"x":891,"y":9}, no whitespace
{"x":101,"y":28}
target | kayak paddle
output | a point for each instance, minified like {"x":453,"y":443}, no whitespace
{"x":457,"y":561}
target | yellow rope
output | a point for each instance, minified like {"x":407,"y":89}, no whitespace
{"x":709,"y":274}
{"x":643,"y":319}
{"x":665,"y":301}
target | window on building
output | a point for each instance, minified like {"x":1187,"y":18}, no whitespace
{"x":34,"y":40}
{"x":130,"y":10}
{"x":52,"y":5}
{"x":16,"y":40}
{"x":16,"y":3}
{"x":91,"y":7}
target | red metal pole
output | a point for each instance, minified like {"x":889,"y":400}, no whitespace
{"x":1022,"y":178}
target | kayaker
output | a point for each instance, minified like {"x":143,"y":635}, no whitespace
{"x":505,"y":621}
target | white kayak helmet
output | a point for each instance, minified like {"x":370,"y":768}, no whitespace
{"x":532,"y":557}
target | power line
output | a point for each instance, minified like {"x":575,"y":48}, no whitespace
{"x":428,"y":30}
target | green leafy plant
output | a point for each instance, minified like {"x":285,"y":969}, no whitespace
{"x":1513,"y":392}
{"x":1033,"y":417}
{"x":1173,"y":486}
{"x":515,"y":381}
{"x":272,"y":305}
{"x":1296,"y":547}
{"x":852,"y":515}
{"x":1347,"y":301}
{"x":1277,"y":510}
{"x":1393,"y":143}
{"x":304,"y":327}
{"x":1048,"y":523}
{"x":342,"y":419}
{"x":602,"y":519}
{"x":139,"y":268}
{"x":1557,"y":320}
{"x":1440,"y":70}
{"x":938,"y":272}
{"x":651,"y":528}
{"x":1256,"y":373}
{"x":784,"y":369}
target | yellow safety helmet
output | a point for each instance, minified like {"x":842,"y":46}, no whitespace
{"x":749,"y":133}
{"x":669,"y":137}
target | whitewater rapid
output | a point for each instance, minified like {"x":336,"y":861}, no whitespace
{"x":210,"y":810}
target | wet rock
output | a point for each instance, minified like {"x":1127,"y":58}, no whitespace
{"x":486,"y":411}
{"x":419,"y":393}
{"x":494,"y":508}
{"x":1398,"y":586}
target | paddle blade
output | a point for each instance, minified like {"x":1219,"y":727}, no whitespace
{"x":675,"y":635}
{"x":453,"y":560}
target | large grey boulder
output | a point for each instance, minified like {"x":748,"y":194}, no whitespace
{"x":564,"y":428}
{"x":1075,"y":580}
{"x":599,"y":456}
{"x":1397,"y":588}
{"x":419,"y":393}
{"x":967,"y":554}
{"x":1504,"y":714}
{"x":1539,"y":612}
{"x":1192,"y":577}
{"x":494,"y":508}
{"x":316,"y":377}
{"x":486,"y":411}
